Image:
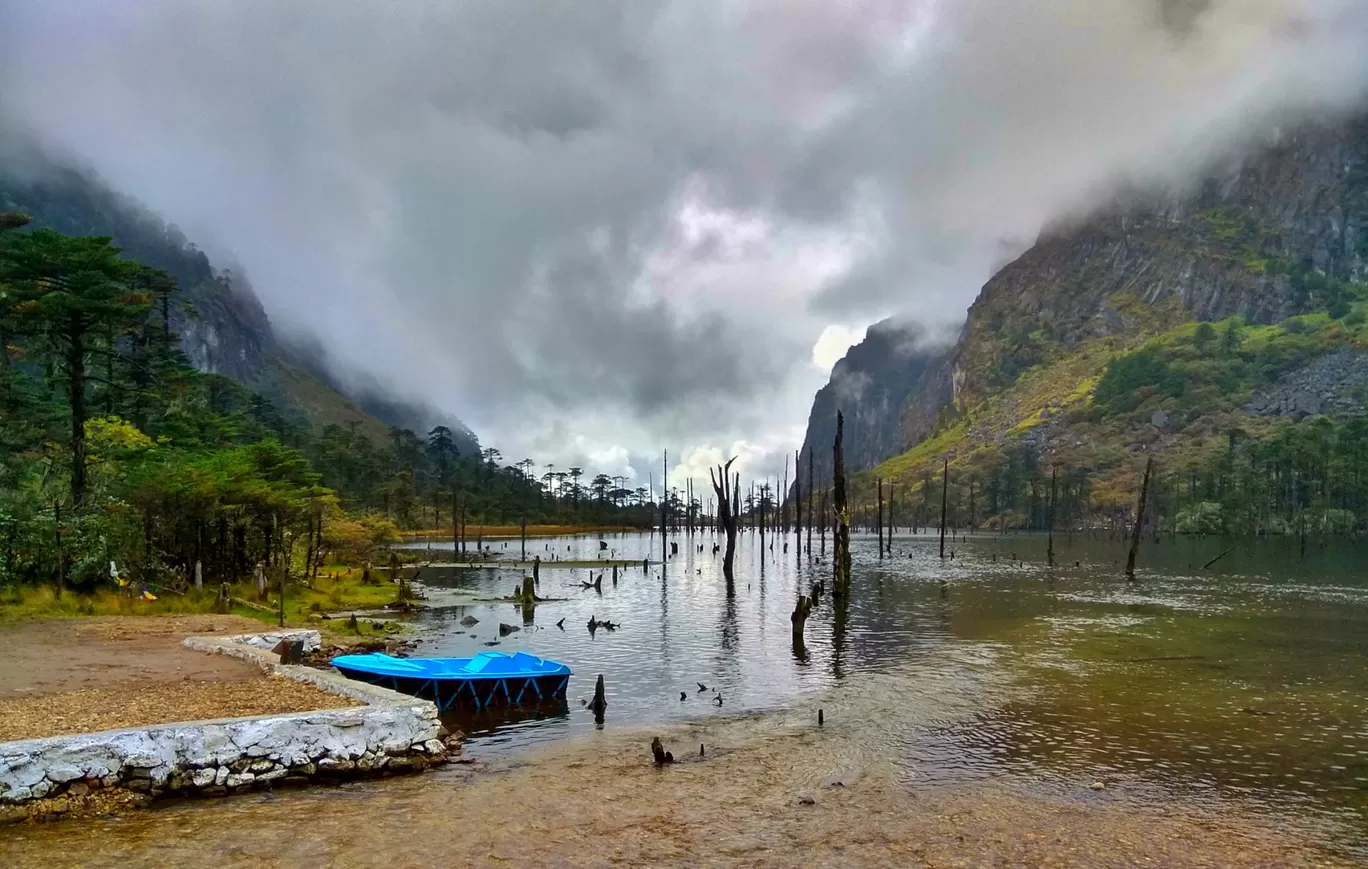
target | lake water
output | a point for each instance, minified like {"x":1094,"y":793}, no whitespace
{"x":1244,"y":682}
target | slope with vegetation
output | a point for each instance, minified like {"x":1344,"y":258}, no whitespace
{"x":115,"y":448}
{"x":1221,"y":331}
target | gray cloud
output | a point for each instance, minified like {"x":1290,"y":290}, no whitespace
{"x":623,"y":224}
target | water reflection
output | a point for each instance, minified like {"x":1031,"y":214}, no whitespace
{"x":1245,"y":681}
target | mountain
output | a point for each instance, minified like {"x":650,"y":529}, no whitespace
{"x":1213,"y":328}
{"x":896,"y":368}
{"x":222,"y":324}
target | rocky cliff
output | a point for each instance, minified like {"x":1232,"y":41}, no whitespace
{"x":222,"y":324}
{"x":1272,"y":249}
{"x":878,"y":385}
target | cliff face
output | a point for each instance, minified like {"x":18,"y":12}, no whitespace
{"x":894,"y":368}
{"x":1241,"y":244}
{"x":1281,"y":233}
{"x":222,"y":324}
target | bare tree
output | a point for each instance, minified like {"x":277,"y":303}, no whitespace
{"x":726,"y":514}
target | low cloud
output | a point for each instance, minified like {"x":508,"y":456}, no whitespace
{"x":613,"y":228}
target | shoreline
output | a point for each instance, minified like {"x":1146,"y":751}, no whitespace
{"x":769,"y":791}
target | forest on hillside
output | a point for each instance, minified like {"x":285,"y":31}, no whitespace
{"x":1255,"y":429}
{"x":114,"y":448}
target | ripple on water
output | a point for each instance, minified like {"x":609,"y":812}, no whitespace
{"x":1245,"y":686}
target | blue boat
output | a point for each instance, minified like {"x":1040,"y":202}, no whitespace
{"x":488,"y":679}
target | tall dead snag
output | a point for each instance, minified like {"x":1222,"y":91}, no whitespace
{"x":726,"y":514}
{"x":811,"y":485}
{"x":892,"y":523}
{"x":797,"y":505}
{"x":945,"y":488}
{"x":822,"y":526}
{"x":841,"y":543}
{"x":1139,"y":520}
{"x":1049,"y":549}
{"x":664,"y":502}
{"x":881,"y":518}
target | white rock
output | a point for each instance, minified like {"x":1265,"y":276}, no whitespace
{"x":203,"y":778}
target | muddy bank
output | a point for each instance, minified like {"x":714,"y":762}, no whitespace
{"x":769,"y":791}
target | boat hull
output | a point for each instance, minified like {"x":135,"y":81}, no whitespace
{"x":465,"y":693}
{"x":490,"y":679}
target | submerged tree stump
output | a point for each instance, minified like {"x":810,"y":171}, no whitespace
{"x":801,"y":610}
{"x":599,"y":703}
{"x":663,"y":757}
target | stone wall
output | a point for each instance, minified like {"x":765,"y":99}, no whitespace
{"x":393,"y":733}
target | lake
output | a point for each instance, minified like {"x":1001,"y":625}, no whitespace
{"x":1245,"y":681}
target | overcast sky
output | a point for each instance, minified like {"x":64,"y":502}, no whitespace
{"x":597,"y":229}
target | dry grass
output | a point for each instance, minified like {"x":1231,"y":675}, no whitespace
{"x":94,"y":709}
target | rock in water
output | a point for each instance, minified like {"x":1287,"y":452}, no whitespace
{"x":505,"y":630}
{"x":470,"y":620}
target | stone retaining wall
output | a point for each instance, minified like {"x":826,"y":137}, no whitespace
{"x":392,"y":733}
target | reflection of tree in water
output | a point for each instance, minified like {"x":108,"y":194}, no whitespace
{"x":840,"y":610}
{"x":730,"y":630}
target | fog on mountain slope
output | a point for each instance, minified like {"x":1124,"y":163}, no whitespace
{"x":621,"y":227}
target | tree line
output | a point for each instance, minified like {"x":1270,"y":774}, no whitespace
{"x":114,"y":448}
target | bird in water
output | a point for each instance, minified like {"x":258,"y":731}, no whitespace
{"x":718,"y":699}
{"x":683,"y":695}
{"x":702,"y":687}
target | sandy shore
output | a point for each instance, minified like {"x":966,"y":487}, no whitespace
{"x":771,"y":791}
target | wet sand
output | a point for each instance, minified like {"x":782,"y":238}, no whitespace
{"x":766,"y":794}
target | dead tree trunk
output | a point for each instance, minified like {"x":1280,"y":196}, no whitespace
{"x":881,"y":522}
{"x":726,"y":515}
{"x":598,"y":704}
{"x":945,"y":488}
{"x":797,"y":505}
{"x":1049,"y":549}
{"x":812,"y":483}
{"x":822,"y":526}
{"x":892,"y":523}
{"x":664,"y":503}
{"x":801,"y":610}
{"x":841,"y":584}
{"x":1139,"y":520}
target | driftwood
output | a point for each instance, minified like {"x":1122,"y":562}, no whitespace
{"x":1218,"y":558}
{"x":290,"y":651}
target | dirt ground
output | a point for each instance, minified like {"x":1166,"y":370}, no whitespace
{"x":82,"y":675}
{"x":71,"y":654}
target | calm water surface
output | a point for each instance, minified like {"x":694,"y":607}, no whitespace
{"x":1246,"y":681}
